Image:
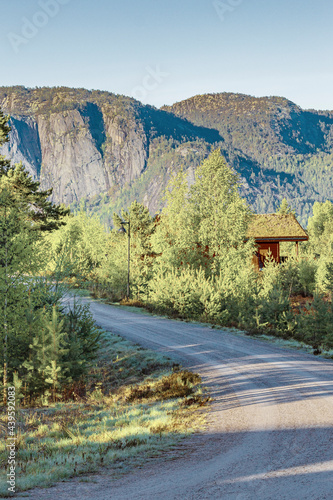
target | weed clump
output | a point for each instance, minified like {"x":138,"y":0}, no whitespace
{"x":177,"y":385}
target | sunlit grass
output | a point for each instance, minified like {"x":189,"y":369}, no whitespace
{"x":136,"y":406}
{"x":284,"y":343}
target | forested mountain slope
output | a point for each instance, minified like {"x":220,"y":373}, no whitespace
{"x":101,"y":151}
{"x":281,"y":149}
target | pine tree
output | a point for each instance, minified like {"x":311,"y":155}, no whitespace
{"x":285,"y":208}
{"x":315,"y":323}
{"x":16,"y":258}
{"x":83,"y":340}
{"x":33,"y":202}
{"x":49,"y":345}
{"x":52,"y":372}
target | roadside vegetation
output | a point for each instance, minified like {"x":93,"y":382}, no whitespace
{"x":193,"y":261}
{"x":132,"y":405}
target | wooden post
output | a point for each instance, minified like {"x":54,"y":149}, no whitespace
{"x":296,"y":248}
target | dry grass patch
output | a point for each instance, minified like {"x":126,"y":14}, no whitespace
{"x":176,"y":385}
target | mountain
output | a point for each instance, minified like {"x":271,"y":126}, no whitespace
{"x":93,"y":146}
{"x":259,"y":127}
{"x":100,"y":151}
{"x":279,"y":149}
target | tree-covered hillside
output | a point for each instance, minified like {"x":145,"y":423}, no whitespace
{"x":259,"y":127}
{"x":101,"y":151}
{"x":280,"y":149}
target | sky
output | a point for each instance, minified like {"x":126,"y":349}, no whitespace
{"x":161,"y":52}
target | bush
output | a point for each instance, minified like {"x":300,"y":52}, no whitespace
{"x":307,"y":275}
{"x":188,"y":293}
{"x":298,"y":276}
{"x":315,"y":324}
{"x":57,"y":351}
{"x":176,"y":292}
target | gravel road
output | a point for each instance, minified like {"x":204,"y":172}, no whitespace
{"x":270,"y":432}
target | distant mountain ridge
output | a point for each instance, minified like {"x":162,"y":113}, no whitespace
{"x":276,"y":125}
{"x":101,"y":151}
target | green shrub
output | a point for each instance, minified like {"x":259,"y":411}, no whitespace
{"x":307,"y":275}
{"x":315,"y":324}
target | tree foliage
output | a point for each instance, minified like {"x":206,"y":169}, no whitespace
{"x":204,"y":222}
{"x":33,"y":331}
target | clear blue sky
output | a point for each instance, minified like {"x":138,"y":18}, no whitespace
{"x":165,"y":51}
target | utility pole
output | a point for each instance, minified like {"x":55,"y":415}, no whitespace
{"x":123,"y":230}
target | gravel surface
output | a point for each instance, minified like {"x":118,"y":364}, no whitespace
{"x":270,"y":433}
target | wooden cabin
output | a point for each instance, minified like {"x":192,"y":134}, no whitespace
{"x":268,"y":230}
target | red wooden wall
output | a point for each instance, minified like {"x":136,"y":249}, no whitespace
{"x":263,"y":249}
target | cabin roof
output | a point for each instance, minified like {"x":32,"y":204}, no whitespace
{"x":278,"y":227}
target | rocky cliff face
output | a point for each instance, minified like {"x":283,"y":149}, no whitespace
{"x":84,"y":144}
{"x":78,"y":152}
{"x":24,"y":145}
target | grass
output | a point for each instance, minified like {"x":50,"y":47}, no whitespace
{"x":136,"y":406}
{"x":278,"y":341}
